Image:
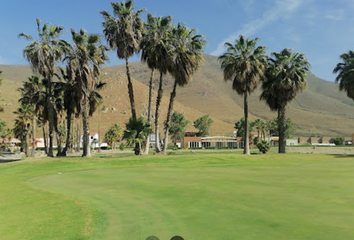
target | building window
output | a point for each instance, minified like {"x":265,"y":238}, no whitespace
{"x":193,"y":144}
{"x":206,"y":144}
{"x":152,"y":137}
{"x":219,"y":145}
{"x":231,"y":144}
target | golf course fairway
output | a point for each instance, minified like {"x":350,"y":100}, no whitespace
{"x":197,"y":196}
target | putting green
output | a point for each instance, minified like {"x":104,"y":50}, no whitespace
{"x":300,"y":200}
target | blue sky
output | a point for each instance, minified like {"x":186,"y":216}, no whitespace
{"x":321,"y":29}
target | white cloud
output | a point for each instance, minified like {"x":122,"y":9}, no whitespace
{"x":281,"y":9}
{"x":335,"y":15}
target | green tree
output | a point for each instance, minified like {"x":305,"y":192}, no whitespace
{"x":345,"y":71}
{"x":155,"y":52}
{"x":113,"y":135}
{"x":258,"y":125}
{"x":338,"y":141}
{"x":203,"y":124}
{"x":263,"y":146}
{"x":177,"y":126}
{"x":187,"y":56}
{"x":240,"y":126}
{"x":23,"y":123}
{"x":84,"y":65}
{"x":124,"y":34}
{"x":285,"y":78}
{"x":136,"y":131}
{"x":244,"y":64}
{"x":43,"y":54}
{"x":33,"y":93}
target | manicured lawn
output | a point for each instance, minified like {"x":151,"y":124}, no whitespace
{"x":197,"y":196}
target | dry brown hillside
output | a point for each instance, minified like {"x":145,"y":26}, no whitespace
{"x":321,"y":110}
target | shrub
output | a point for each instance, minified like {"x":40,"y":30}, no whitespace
{"x":121,"y":146}
{"x":338,"y":141}
{"x":263,"y":146}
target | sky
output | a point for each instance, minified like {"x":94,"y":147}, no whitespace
{"x":320,"y":29}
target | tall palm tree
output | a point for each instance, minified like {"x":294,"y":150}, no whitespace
{"x":43,"y":54}
{"x":86,"y":57}
{"x":155,"y":52}
{"x":186,"y":55}
{"x":345,"y":70}
{"x":285,"y":78}
{"x":71,"y":102}
{"x":244,"y":64}
{"x":124,"y":34}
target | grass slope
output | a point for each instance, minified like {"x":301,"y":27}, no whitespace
{"x":198,"y":196}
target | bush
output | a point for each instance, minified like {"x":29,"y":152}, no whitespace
{"x":121,"y":146}
{"x":263,"y":146}
{"x":338,"y":141}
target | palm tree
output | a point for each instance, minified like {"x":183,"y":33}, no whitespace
{"x":43,"y":54}
{"x":84,"y":63}
{"x":23,"y":123}
{"x":244,"y":64}
{"x":71,"y":102}
{"x":33,"y":93}
{"x":258,"y":123}
{"x":136,"y":132}
{"x":186,"y":53}
{"x":123,"y":34}
{"x":155,"y":47}
{"x":285,"y":78}
{"x":345,"y":70}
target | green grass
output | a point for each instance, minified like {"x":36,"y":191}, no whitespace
{"x":196,"y":196}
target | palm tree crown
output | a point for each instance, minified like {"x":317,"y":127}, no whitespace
{"x":285,"y":78}
{"x":243,"y":64}
{"x":123,"y":33}
{"x":345,"y":70}
{"x":45,"y":52}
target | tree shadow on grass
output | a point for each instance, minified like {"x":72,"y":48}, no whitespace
{"x":342,"y":155}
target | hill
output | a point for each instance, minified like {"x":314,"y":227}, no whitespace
{"x":322,"y":110}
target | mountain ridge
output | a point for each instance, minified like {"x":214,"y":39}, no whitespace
{"x":322,"y":110}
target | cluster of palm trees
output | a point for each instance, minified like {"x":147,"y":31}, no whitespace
{"x":72,"y":90}
{"x":283,"y":76}
{"x":164,"y":47}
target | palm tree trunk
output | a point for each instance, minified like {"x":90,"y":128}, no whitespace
{"x":130,"y":90}
{"x":27,"y":143}
{"x":71,"y":136}
{"x":45,"y":139}
{"x":34,"y":126}
{"x":68,"y":133}
{"x":151,"y":88}
{"x":51,"y":127}
{"x":157,"y":114}
{"x":86,"y":130}
{"x":281,"y":129}
{"x":78,"y":136}
{"x":168,"y":118}
{"x":246,"y":149}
